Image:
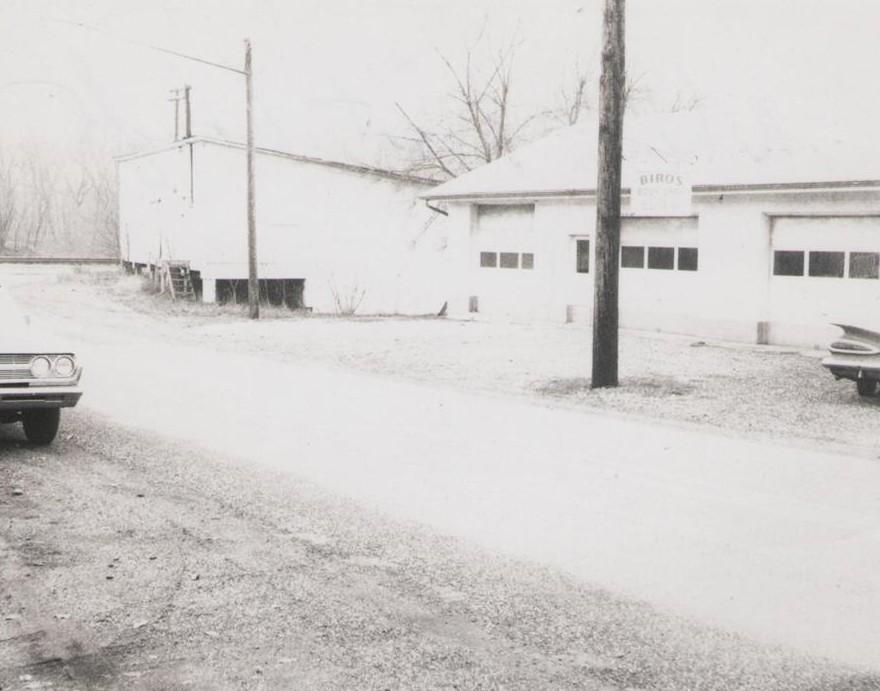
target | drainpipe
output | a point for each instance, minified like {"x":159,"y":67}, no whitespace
{"x":436,"y":209}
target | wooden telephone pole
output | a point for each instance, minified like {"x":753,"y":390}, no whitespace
{"x":611,"y":105}
{"x":253,"y":280}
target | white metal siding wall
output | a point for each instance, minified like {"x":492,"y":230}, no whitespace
{"x":343,"y":231}
{"x":154,"y":206}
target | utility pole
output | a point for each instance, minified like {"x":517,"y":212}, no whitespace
{"x":176,"y":98}
{"x":611,"y":105}
{"x":253,"y":279}
{"x":188,"y":110}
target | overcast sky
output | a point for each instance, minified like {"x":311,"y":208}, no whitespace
{"x":329,"y":71}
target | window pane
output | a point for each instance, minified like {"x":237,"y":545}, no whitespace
{"x":583,"y":256}
{"x":632,"y":257}
{"x":788,"y":263}
{"x":509,"y":260}
{"x":826,"y":264}
{"x":488,"y":259}
{"x":661,"y":258}
{"x":687,"y":258}
{"x":864,"y":264}
{"x":528,"y":261}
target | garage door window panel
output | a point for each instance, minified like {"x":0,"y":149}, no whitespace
{"x":488,"y":259}
{"x":826,"y":264}
{"x":661,"y":258}
{"x":688,"y":259}
{"x":864,"y":265}
{"x":632,"y":257}
{"x":788,"y":263}
{"x":509,"y":260}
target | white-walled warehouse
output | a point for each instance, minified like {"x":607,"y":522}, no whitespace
{"x":353,"y":234}
{"x":771,"y":250}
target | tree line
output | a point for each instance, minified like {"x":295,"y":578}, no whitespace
{"x":51,"y":205}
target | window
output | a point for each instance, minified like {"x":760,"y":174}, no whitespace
{"x":583,"y":256}
{"x":661,"y":258}
{"x":509,"y":260}
{"x":632,"y":257}
{"x":864,"y":264}
{"x":829,"y":264}
{"x":687,"y":258}
{"x":488,"y":259}
{"x":788,"y":263}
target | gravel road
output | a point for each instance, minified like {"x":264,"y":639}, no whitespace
{"x":131,"y":562}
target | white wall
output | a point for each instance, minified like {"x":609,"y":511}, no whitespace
{"x":154,"y":204}
{"x":733,"y":295}
{"x":348,"y":234}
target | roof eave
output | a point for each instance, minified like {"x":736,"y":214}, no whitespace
{"x":352,"y":167}
{"x":750,"y":188}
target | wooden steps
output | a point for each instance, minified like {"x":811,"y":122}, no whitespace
{"x":176,"y":280}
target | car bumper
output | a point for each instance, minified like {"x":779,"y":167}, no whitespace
{"x":29,"y":397}
{"x":852,"y":367}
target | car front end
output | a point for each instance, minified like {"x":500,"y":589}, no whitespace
{"x":38,"y":380}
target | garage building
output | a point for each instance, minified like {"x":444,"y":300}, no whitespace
{"x":768,"y":248}
{"x":333,"y":237}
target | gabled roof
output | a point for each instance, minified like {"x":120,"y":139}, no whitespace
{"x":352,"y":167}
{"x":565,"y":162}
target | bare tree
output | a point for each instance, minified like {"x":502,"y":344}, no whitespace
{"x":484,"y":124}
{"x":578,"y":97}
{"x":575,"y":98}
{"x":104,"y":207}
{"x":484,"y":121}
{"x":9,"y":211}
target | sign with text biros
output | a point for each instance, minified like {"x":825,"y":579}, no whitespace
{"x":661,"y":193}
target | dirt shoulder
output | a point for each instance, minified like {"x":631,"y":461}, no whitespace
{"x":130,"y":562}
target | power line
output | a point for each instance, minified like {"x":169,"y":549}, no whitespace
{"x":142,"y":44}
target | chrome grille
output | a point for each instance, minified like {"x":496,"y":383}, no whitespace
{"x":15,"y":366}
{"x":14,"y":359}
{"x":6,"y":374}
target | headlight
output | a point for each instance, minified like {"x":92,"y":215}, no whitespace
{"x":40,"y":367}
{"x":64,"y":366}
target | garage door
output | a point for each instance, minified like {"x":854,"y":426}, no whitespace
{"x":503,"y":260}
{"x":822,"y":270}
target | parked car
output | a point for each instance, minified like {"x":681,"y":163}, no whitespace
{"x":856,"y":356}
{"x":37,"y":378}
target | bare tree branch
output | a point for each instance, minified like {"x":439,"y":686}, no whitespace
{"x":426,"y":141}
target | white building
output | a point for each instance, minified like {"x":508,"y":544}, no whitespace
{"x":331,"y":236}
{"x":767,"y":249}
